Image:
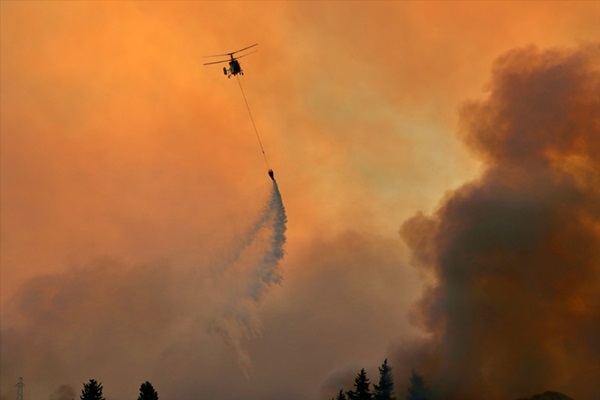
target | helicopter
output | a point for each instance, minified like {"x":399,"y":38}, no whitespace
{"x":234,"y":64}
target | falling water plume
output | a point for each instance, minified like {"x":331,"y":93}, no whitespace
{"x":257,"y":260}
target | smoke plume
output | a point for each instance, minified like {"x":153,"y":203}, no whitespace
{"x":513,"y":258}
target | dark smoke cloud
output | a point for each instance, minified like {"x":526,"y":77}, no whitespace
{"x":514,"y":257}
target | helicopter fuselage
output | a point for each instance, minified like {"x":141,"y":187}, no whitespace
{"x":234,"y":68}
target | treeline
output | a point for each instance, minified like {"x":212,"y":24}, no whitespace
{"x":384,"y":390}
{"x":93,"y":391}
{"x":417,"y":389}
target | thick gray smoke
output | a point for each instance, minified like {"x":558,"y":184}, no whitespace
{"x":514,"y":257}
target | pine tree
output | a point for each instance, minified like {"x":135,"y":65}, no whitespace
{"x":91,"y":391}
{"x":340,"y":396}
{"x":361,"y":385}
{"x":385,"y":389}
{"x":417,"y":389}
{"x":147,"y":392}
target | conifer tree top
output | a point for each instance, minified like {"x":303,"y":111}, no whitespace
{"x":147,"y":392}
{"x":91,"y":391}
{"x":385,"y":389}
{"x":361,"y":388}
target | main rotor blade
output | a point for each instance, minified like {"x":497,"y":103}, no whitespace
{"x":247,"y":54}
{"x":237,"y":51}
{"x":216,"y":62}
{"x":232,"y":53}
{"x":219,"y":55}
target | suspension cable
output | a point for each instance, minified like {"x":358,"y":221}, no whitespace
{"x":253,"y":123}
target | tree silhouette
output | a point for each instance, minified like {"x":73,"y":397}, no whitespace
{"x":417,"y":389}
{"x":340,"y":396}
{"x":147,"y":392}
{"x":361,"y":388}
{"x":385,"y":389}
{"x":91,"y":391}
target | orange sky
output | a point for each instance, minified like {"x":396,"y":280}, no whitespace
{"x":117,"y":142}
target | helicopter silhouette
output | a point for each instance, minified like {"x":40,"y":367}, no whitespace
{"x":234,"y":64}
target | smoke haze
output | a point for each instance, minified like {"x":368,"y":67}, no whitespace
{"x":514,"y":257}
{"x":113,"y":305}
{"x":64,"y":392}
{"x":133,"y":194}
